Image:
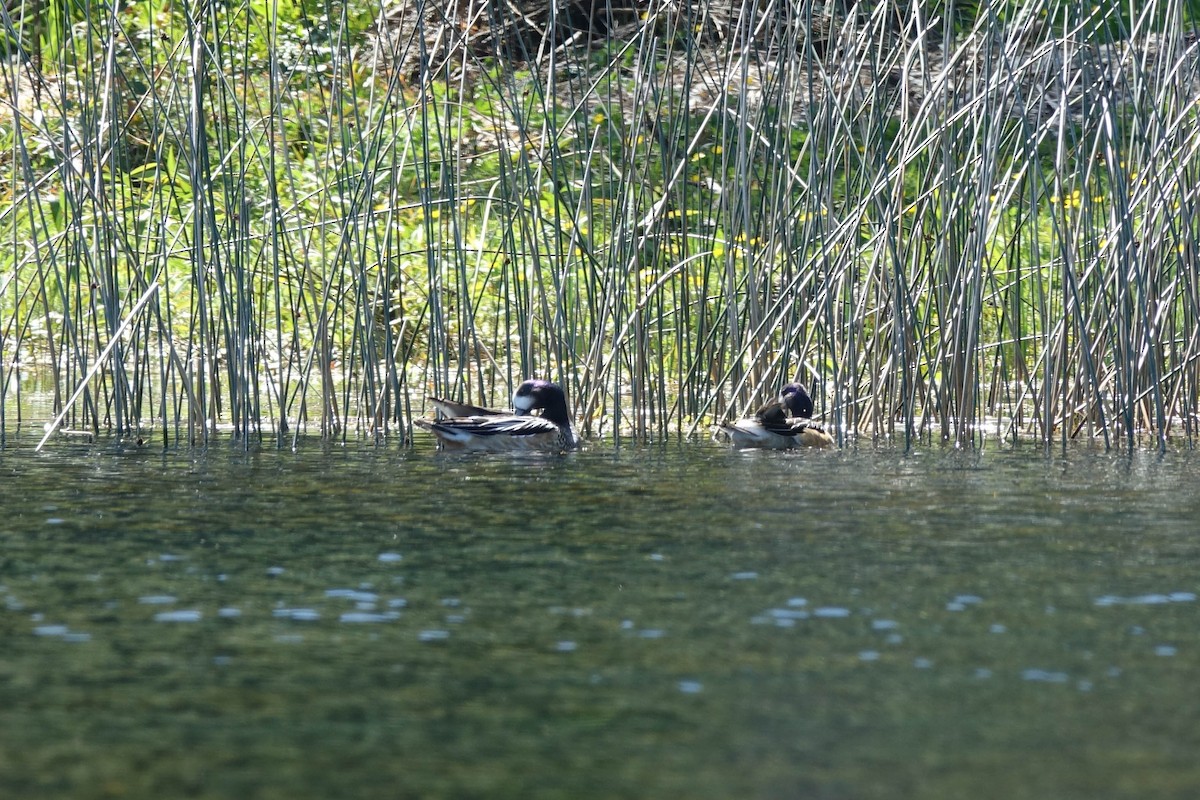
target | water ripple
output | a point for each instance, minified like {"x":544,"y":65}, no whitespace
{"x":298,"y":614}
{"x":365,"y":617}
{"x":50,"y":630}
{"x":352,"y":594}
{"x":1146,"y":599}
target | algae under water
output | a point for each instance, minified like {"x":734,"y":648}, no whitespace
{"x":657,"y":622}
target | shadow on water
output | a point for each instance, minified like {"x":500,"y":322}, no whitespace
{"x":681,"y":622}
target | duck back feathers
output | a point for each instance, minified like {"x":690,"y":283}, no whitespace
{"x":453,"y":408}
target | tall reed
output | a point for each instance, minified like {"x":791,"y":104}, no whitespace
{"x":259,"y":222}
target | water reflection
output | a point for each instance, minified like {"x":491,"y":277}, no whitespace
{"x":643,"y":623}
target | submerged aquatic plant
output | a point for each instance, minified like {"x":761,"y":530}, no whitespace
{"x":255,"y":220}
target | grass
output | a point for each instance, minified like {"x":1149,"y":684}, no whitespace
{"x":272,"y":218}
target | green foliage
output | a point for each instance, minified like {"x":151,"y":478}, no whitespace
{"x":670,"y":230}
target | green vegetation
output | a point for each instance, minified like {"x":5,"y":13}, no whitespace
{"x":282,"y":215}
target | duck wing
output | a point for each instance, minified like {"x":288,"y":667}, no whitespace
{"x":499,"y":425}
{"x":499,"y":434}
{"x":806,"y":433}
{"x":774,"y":418}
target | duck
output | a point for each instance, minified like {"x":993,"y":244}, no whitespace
{"x":521,"y":431}
{"x":783,"y":423}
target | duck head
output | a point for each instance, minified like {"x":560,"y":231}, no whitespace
{"x":538,"y":394}
{"x":796,"y":400}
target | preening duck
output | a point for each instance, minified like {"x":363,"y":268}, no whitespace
{"x":497,"y":432}
{"x":782,"y":423}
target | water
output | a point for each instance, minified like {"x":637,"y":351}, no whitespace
{"x":679,"y":622}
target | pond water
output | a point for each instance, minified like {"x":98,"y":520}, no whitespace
{"x":682,"y":622}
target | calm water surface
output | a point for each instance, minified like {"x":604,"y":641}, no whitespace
{"x":670,"y":623}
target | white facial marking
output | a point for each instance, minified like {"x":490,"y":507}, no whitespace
{"x":523,"y":402}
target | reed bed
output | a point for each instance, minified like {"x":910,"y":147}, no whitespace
{"x":255,"y":221}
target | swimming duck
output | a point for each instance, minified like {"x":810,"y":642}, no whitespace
{"x":496,"y":432}
{"x":782,"y":423}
